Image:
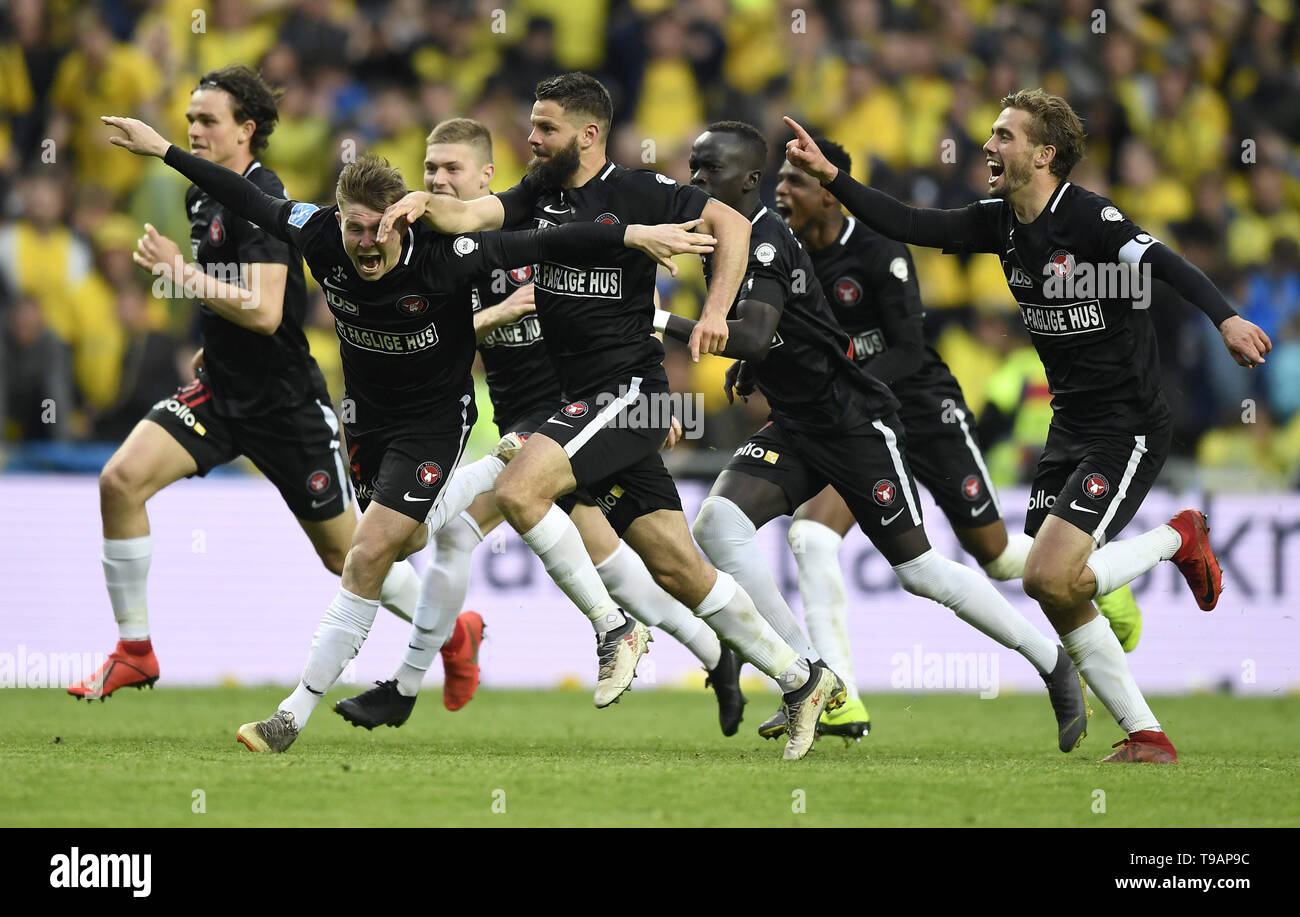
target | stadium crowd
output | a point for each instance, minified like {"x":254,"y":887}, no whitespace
{"x":1189,"y":106}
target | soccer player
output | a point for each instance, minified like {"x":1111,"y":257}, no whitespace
{"x":525,"y":393}
{"x":1064,"y":250}
{"x":407,"y":345}
{"x":831,"y":424}
{"x":871,"y":285}
{"x":596,"y":316}
{"x":257,"y":390}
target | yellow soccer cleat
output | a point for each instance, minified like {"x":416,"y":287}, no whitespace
{"x":1120,"y":608}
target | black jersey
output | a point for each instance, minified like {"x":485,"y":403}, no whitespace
{"x":250,"y":374}
{"x":598,"y":313}
{"x":1082,"y":304}
{"x":808,"y":376}
{"x":870,"y":283}
{"x":520,"y":376}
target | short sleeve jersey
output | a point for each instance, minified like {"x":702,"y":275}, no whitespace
{"x":1075,"y":273}
{"x":251,"y":374}
{"x":808,"y":376}
{"x":598,"y":315}
{"x":868,"y":280}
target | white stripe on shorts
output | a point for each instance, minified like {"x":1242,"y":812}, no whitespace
{"x":345,"y":483}
{"x":607,"y":413}
{"x":1139,"y":450}
{"x":464,"y":437}
{"x":891,"y":442}
{"x":979,"y":460}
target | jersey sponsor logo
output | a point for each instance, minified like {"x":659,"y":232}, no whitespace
{"x":885,"y":492}
{"x":608,"y":500}
{"x":522,"y":332}
{"x":765,"y":252}
{"x":412,"y":304}
{"x":317,"y":481}
{"x":428,"y":474}
{"x":755,"y":451}
{"x":216,"y":232}
{"x":607,"y":218}
{"x":1019,"y":278}
{"x":867,"y":344}
{"x":463,"y":245}
{"x":183,"y":414}
{"x":847,"y":291}
{"x":1096,"y":486}
{"x":387,"y":342}
{"x":1060,"y":264}
{"x":971,"y":487}
{"x":338,"y":302}
{"x":1042,"y":500}
{"x":575,"y":409}
{"x":597,"y":282}
{"x":1111,"y":214}
{"x":300,"y":214}
{"x":1072,"y":318}
{"x":520,"y":275}
{"x":898,"y":267}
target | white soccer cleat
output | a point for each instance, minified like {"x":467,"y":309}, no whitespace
{"x":803,"y":708}
{"x":619,"y":651}
{"x":272,"y":735}
{"x":509,"y":446}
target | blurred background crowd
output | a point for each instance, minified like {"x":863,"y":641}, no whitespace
{"x":1190,"y":106}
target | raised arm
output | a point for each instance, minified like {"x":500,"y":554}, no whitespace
{"x":232,"y":190}
{"x":884,"y":214}
{"x":731,"y":230}
{"x":749,"y":335}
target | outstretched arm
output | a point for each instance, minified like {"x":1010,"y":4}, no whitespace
{"x":749,"y":335}
{"x":231,"y":189}
{"x":884,"y":214}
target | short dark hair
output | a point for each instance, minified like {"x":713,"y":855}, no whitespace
{"x":371,"y":182}
{"x":578,"y":93}
{"x":751,"y":138}
{"x":836,"y":154}
{"x":251,"y":97}
{"x":1052,"y":123}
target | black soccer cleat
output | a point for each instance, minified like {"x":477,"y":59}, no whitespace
{"x":724,"y":678}
{"x":1065,"y":689}
{"x":382,"y":705}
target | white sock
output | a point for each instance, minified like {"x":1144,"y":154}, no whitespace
{"x":630,"y":584}
{"x":338,"y":639}
{"x":816,"y":550}
{"x":1010,"y":564}
{"x":729,"y":611}
{"x":126,"y":574}
{"x":467,"y":482}
{"x":400,"y":590}
{"x":1121,"y":562}
{"x":727,"y":537}
{"x":976,"y":602}
{"x":443,"y":589}
{"x":1096,"y":651}
{"x":556,"y":541}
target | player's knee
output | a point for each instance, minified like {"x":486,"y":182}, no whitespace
{"x":333,"y":558}
{"x":514,"y":495}
{"x":1047,"y":586}
{"x":369,"y":556}
{"x":414,"y":544}
{"x":718,"y":523}
{"x":118,"y":486}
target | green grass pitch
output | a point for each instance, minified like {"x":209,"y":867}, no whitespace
{"x":512,"y":758}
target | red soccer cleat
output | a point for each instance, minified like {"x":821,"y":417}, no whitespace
{"x":1146,"y":747}
{"x":132,"y":664}
{"x":460,"y":661}
{"x":1196,"y":560}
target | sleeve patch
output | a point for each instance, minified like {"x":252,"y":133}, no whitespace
{"x":301,"y":213}
{"x":464,"y":245}
{"x":1111,"y":214}
{"x":898,"y":267}
{"x":765,"y":253}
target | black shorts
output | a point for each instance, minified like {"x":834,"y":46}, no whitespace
{"x":531,"y":423}
{"x":297,"y":448}
{"x":1095,"y":479}
{"x":613,"y":440}
{"x":406,"y":467}
{"x":946,"y":458}
{"x":864,"y":464}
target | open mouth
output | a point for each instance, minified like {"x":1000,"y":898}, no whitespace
{"x":368,"y":262}
{"x":783,"y":209}
{"x":995,"y":170}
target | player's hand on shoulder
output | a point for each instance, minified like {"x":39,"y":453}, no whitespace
{"x":709,"y":335}
{"x":802,"y":153}
{"x":402,"y":214}
{"x":139,"y":138}
{"x":1245,"y":340}
{"x":663,"y":240}
{"x":158,"y":254}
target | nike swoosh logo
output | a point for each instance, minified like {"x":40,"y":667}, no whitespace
{"x":884,"y":521}
{"x":317,"y":504}
{"x":198,"y":205}
{"x":1209,"y":583}
{"x":566,"y":211}
{"x":1074,"y":504}
{"x":407,"y":496}
{"x":561,"y":423}
{"x":979,"y":509}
